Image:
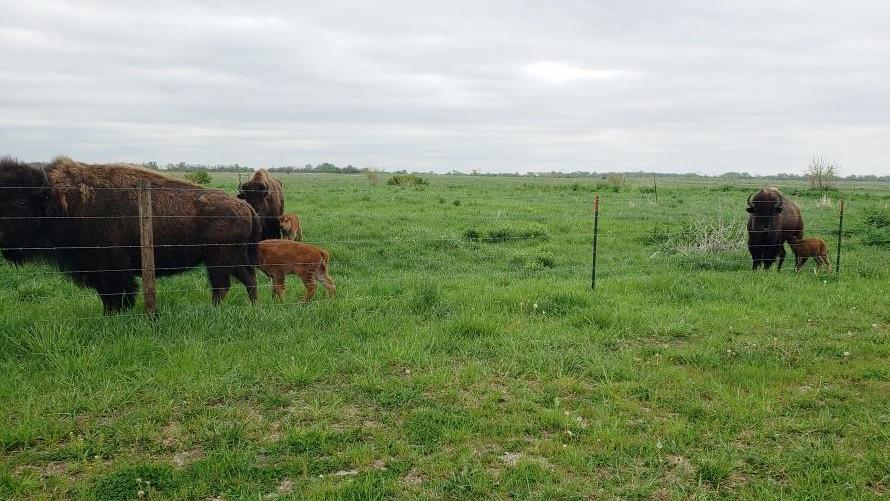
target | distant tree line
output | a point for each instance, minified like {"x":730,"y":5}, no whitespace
{"x":329,"y":168}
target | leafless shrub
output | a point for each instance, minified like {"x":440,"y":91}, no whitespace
{"x":699,"y":237}
{"x":373,"y":176}
{"x":822,"y":173}
{"x":616,"y":181}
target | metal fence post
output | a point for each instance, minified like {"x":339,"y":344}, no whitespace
{"x":596,"y":223}
{"x":146,"y":242}
{"x":840,"y":236}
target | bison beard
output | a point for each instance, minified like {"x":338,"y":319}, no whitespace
{"x":772,"y":221}
{"x":264,"y":193}
{"x":82,"y":218}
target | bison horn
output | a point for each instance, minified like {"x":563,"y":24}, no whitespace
{"x":749,"y":200}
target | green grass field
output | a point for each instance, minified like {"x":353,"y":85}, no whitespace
{"x":466,"y":357}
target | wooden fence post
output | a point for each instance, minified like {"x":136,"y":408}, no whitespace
{"x":146,"y":242}
{"x":840,"y":236}
{"x":596,"y":223}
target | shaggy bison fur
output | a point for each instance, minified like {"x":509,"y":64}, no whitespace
{"x":83,"y":218}
{"x":264,"y":193}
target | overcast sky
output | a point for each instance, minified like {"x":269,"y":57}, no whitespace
{"x":668,"y":86}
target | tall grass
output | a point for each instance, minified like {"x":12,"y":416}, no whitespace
{"x":451,"y":367}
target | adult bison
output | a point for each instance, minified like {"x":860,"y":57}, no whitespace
{"x":773,"y":220}
{"x":83,"y":218}
{"x":264,"y":193}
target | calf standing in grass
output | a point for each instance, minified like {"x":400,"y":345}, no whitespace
{"x":290,"y":227}
{"x":278,"y":258}
{"x":806,"y":248}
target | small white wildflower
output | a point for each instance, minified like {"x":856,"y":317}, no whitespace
{"x":658,"y":444}
{"x":874,"y":326}
{"x":564,"y":446}
{"x":140,"y":493}
{"x":569,"y":433}
{"x":407,"y":371}
{"x":846,"y":353}
{"x":535,"y":306}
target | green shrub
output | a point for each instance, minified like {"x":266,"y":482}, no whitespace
{"x":507,"y":233}
{"x":406,"y":180}
{"x":473,"y":235}
{"x":877,"y":218}
{"x":198,"y":177}
{"x":877,"y":227}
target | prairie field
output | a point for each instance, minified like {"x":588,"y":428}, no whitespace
{"x":467,"y":357}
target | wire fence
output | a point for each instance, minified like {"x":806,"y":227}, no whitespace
{"x":719,"y":240}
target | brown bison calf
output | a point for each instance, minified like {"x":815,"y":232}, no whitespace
{"x":278,"y":258}
{"x":290,"y":227}
{"x":806,"y":248}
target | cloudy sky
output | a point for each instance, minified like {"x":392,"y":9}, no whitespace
{"x":670,"y":86}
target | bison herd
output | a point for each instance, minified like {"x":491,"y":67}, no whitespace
{"x":83,"y":218}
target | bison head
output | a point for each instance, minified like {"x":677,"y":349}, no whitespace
{"x":24,"y":194}
{"x":764,"y":207}
{"x":254,"y":192}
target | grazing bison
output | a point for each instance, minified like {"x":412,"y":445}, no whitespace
{"x":773,"y":220}
{"x":84,"y":219}
{"x":815,"y":248}
{"x":264,"y":193}
{"x":278,"y":258}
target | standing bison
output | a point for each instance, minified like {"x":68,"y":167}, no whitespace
{"x":264,"y":193}
{"x":84,"y":219}
{"x":773,"y":220}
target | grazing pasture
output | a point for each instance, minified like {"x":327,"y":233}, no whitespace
{"x":465,"y":356}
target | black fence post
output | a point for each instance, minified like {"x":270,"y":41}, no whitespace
{"x":596,"y":223}
{"x":840,"y":236}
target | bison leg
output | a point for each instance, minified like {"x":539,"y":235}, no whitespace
{"x":755,"y":257}
{"x":220,"y":281}
{"x":329,"y":288}
{"x":278,"y":284}
{"x":117,"y":291}
{"x":801,"y":260}
{"x":781,"y":257}
{"x":247,"y":276}
{"x":309,"y":282}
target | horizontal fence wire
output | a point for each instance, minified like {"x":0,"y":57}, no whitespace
{"x":616,"y":208}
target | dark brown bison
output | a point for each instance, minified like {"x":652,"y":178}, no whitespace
{"x":264,"y":193}
{"x":83,"y":218}
{"x":773,"y":220}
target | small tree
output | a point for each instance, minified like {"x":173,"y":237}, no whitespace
{"x":822,"y":173}
{"x":198,"y":177}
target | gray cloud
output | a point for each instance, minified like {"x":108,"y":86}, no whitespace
{"x":500,"y":86}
